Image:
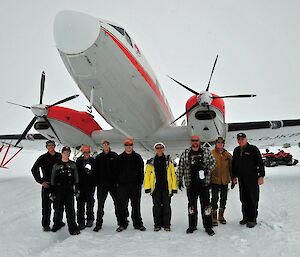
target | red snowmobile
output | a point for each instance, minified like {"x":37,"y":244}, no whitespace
{"x":281,"y":158}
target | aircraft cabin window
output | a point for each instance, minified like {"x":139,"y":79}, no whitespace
{"x":121,"y":30}
{"x":128,"y":38}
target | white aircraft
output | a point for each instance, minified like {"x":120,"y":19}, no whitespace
{"x":111,"y":71}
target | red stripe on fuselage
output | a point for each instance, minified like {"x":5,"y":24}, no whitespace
{"x":142,"y":71}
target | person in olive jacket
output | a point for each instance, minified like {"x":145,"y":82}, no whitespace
{"x":161,"y":182}
{"x":248,"y":167}
{"x":220,"y":178}
{"x":130,"y":180}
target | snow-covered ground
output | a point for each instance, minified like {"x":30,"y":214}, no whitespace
{"x":277,"y":233}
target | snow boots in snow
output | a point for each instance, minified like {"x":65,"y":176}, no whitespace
{"x":221,"y":216}
{"x":214,"y":218}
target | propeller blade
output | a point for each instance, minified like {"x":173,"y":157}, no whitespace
{"x":62,"y":101}
{"x":213,"y":120}
{"x":187,"y":88}
{"x":46,"y":119}
{"x":211,"y":73}
{"x":233,"y":96}
{"x":42,"y":87}
{"x":27,"y":107}
{"x":26,"y":130}
{"x":190,"y":109}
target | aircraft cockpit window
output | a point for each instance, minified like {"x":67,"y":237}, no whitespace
{"x":128,"y":38}
{"x":121,"y":30}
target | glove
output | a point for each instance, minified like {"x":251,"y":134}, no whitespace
{"x":232,"y":186}
{"x":180,"y":186}
{"x":76,"y":193}
{"x":147,"y":191}
{"x":52,"y":197}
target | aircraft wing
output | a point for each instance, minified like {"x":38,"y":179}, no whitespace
{"x":31,"y":141}
{"x":176,"y":139}
{"x":265,"y":133}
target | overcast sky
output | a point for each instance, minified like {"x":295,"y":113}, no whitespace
{"x":257,"y":42}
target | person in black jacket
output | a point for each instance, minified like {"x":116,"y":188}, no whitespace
{"x":45,"y":163}
{"x":248,"y":167}
{"x":130,"y":180}
{"x":106,"y":180}
{"x":87,"y":175}
{"x":64,"y":179}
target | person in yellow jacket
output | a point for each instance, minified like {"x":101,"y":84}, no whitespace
{"x":220,"y":178}
{"x":161,"y":182}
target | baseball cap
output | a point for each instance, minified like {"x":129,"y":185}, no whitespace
{"x":105,"y":141}
{"x":159,"y":143}
{"x":195,"y":137}
{"x":66,"y":148}
{"x":220,"y":139}
{"x":128,"y":141}
{"x":243,"y":135}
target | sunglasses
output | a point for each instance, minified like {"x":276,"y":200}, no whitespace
{"x":128,"y":145}
{"x":194,"y":140}
{"x":159,"y":147}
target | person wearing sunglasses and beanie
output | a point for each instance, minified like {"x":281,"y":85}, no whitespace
{"x":195,"y":165}
{"x":85,"y":201}
{"x":130,"y":180}
{"x":161,"y":182}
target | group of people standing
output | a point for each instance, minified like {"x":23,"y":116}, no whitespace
{"x":122,"y":176}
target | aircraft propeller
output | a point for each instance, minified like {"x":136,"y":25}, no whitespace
{"x":40,"y":110}
{"x":207,"y":93}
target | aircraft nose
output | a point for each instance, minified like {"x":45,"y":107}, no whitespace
{"x":74,"y":32}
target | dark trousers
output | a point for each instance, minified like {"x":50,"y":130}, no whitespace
{"x":46,"y":207}
{"x":193,"y":194}
{"x":249,"y":197}
{"x":161,"y":208}
{"x":64,"y":199}
{"x":102,"y":193}
{"x":85,"y":205}
{"x":215,"y":191}
{"x":130,"y":192}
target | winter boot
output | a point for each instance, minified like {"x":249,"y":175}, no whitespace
{"x":243,"y":221}
{"x":221,"y":216}
{"x":157,"y":228}
{"x":209,"y":231}
{"x":97,"y":228}
{"x":89,"y":223}
{"x":81,"y":226}
{"x":214,"y":218}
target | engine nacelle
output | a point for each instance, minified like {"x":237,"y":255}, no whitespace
{"x":73,"y":128}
